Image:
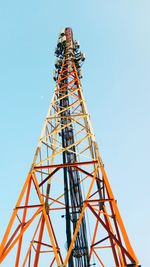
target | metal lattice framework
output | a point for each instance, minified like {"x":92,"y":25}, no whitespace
{"x":66,"y":214}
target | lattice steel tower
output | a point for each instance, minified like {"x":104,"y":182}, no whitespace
{"x":66,"y":214}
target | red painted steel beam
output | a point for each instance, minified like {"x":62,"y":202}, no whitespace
{"x":65,"y":165}
{"x":48,"y":177}
{"x":29,"y":206}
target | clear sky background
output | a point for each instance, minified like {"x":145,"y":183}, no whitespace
{"x":115,"y":35}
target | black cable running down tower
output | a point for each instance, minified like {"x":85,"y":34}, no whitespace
{"x":72,"y":187}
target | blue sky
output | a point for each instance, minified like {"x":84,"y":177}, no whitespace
{"x":115,"y":35}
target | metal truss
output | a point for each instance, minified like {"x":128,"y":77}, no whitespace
{"x":37,"y":231}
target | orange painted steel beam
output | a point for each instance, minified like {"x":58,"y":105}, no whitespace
{"x":111,"y":234}
{"x":100,"y":261}
{"x":28,"y":254}
{"x":94,"y":236}
{"x":23,"y":222}
{"x":37,"y":254}
{"x":114,"y":205}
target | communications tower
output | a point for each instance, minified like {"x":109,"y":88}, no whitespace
{"x":66,"y":214}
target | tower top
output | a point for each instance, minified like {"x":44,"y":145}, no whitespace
{"x":68,"y":50}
